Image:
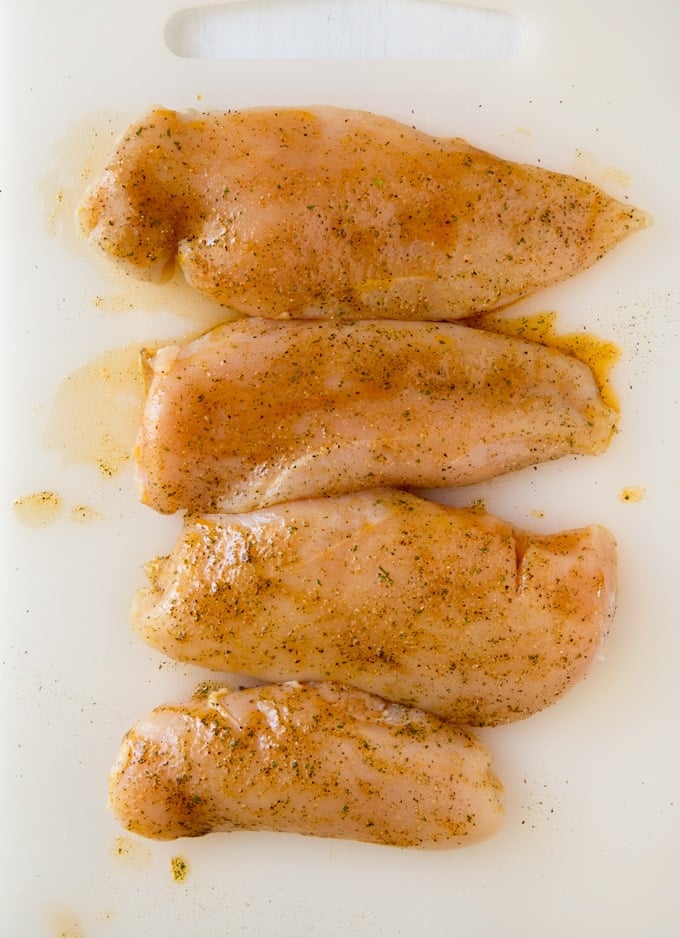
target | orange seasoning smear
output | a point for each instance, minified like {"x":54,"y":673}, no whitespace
{"x":633,"y":493}
{"x":599,"y":354}
{"x":179,"y":869}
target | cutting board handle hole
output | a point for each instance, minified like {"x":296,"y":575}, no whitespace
{"x":414,"y":30}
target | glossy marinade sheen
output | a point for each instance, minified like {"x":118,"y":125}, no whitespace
{"x":323,"y":212}
{"x":258,"y":412}
{"x":447,"y":609}
{"x":325,"y":760}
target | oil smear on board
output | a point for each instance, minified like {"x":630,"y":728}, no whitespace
{"x":130,"y":852}
{"x":83,"y":514}
{"x":38,"y":509}
{"x":97,"y":411}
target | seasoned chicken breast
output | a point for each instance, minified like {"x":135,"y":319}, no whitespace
{"x":324,"y":212}
{"x":318,"y":759}
{"x":446,"y":609}
{"x":257,"y":412}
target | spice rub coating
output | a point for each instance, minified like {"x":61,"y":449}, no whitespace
{"x":258,"y":412}
{"x":326,"y":212}
{"x":446,"y":609}
{"x":325,"y":760}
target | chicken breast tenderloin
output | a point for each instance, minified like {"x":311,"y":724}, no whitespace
{"x":323,"y":212}
{"x":322,"y":759}
{"x":257,"y":412}
{"x":445,"y":609}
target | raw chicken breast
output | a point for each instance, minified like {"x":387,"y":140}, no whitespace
{"x":445,"y":609}
{"x":318,"y":759}
{"x":257,"y":412}
{"x":328,"y":212}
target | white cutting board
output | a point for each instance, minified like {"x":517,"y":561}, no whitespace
{"x":591,"y":843}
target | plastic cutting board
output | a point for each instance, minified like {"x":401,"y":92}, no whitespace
{"x":591,"y":842}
